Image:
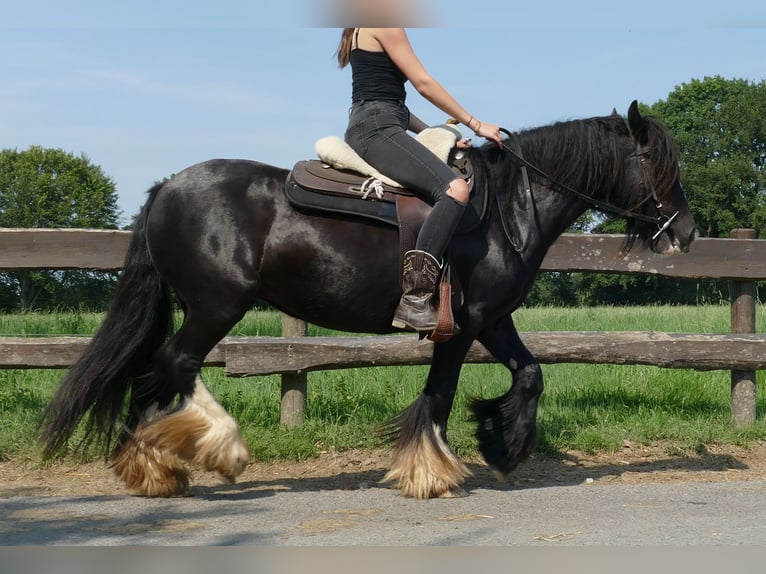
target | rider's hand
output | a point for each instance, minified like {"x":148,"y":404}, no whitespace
{"x":490,"y":132}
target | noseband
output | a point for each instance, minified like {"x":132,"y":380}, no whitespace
{"x":661,"y":221}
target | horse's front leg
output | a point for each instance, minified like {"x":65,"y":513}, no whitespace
{"x":423,"y":464}
{"x":507,"y":425}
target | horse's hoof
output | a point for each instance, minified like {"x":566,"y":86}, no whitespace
{"x":228,"y":461}
{"x":149,"y":471}
{"x":501,"y":477}
{"x":454,"y":492}
{"x":227,"y":478}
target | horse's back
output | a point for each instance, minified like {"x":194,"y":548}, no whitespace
{"x":214,"y":191}
{"x":227,"y":175}
{"x":213,"y":216}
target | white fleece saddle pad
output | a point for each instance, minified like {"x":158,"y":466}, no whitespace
{"x":333,"y":151}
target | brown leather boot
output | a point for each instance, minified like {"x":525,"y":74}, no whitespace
{"x":416,"y":308}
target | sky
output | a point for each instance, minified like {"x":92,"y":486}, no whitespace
{"x":144,"y":89}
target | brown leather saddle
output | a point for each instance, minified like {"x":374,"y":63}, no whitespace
{"x":316,"y":186}
{"x":313,"y":185}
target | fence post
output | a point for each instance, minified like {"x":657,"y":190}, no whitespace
{"x":743,"y":383}
{"x":294,"y":385}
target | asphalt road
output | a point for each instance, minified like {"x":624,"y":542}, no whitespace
{"x":672,"y":514}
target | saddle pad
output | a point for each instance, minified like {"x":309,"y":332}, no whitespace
{"x":336,"y":152}
{"x":342,"y":202}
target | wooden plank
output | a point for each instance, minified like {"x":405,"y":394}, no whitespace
{"x":40,"y":352}
{"x":246,"y":356}
{"x":268,"y":355}
{"x":701,"y":351}
{"x":707,"y":258}
{"x":63,"y":248}
{"x":60,"y":352}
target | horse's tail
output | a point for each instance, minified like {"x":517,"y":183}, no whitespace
{"x":138,"y":321}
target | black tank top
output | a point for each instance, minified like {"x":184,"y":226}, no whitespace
{"x":374,"y":76}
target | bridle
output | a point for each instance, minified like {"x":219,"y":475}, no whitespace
{"x":661,"y":221}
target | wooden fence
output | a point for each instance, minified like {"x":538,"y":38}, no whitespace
{"x":741,"y":260}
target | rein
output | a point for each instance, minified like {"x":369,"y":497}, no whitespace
{"x":661,"y":221}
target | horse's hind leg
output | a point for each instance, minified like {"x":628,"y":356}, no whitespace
{"x":507,"y":425}
{"x":197,"y":429}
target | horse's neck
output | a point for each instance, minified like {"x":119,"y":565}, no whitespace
{"x":556,"y":209}
{"x":547,"y":214}
{"x":556,"y":213}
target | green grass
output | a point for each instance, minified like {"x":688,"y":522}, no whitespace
{"x":592,"y":408}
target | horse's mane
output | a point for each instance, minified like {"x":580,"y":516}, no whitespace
{"x":588,"y":154}
{"x":584,"y":152}
{"x":579,"y":153}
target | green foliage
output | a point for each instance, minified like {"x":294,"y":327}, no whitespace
{"x":50,"y":188}
{"x":601,"y":289}
{"x":720,"y":128}
{"x":553,"y":289}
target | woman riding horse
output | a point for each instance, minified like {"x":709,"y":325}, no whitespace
{"x":221,"y":234}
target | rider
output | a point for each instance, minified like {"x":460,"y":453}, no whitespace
{"x":382,"y":61}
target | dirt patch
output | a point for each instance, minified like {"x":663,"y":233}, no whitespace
{"x":353,"y":470}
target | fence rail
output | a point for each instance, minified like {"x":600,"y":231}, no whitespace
{"x":252,"y":356}
{"x":741,"y":259}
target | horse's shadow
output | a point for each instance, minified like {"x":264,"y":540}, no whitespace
{"x":539,"y":471}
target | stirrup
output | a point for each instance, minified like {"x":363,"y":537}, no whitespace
{"x":446,"y":328}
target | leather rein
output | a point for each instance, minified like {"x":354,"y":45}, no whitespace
{"x":661,"y":221}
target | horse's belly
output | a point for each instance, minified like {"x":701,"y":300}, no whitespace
{"x":354,"y":310}
{"x":343,"y":277}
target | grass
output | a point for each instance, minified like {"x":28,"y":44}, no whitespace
{"x":592,"y":408}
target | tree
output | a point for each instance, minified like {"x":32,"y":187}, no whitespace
{"x":720,"y":128}
{"x":50,"y":188}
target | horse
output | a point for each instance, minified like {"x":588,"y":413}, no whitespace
{"x":221,"y":234}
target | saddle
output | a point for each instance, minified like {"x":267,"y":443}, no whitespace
{"x":339,"y":189}
{"x":331,"y":184}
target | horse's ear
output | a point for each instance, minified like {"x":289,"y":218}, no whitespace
{"x":614,"y":112}
{"x":636,"y":123}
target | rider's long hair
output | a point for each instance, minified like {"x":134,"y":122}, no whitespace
{"x":343,"y":52}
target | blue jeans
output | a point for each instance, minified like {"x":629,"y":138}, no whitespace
{"x":377,"y":132}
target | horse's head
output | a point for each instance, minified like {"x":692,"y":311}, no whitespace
{"x":653,"y":189}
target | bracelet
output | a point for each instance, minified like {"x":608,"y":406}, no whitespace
{"x":468,"y":123}
{"x":476,"y":131}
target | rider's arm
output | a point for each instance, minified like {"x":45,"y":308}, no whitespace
{"x":397,"y":45}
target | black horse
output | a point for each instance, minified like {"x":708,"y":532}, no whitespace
{"x":221,"y":234}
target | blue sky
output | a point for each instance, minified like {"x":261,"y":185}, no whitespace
{"x":146,"y":90}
